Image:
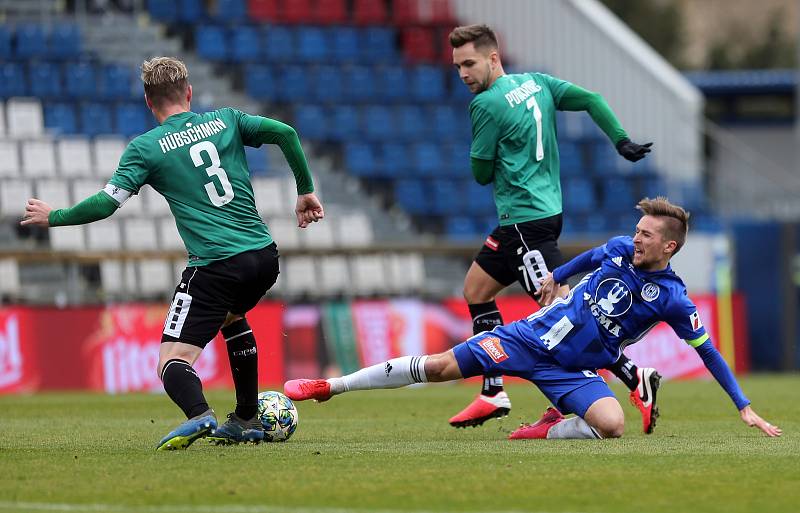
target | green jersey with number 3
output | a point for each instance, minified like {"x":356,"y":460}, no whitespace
{"x":197,"y":162}
{"x":514,"y":125}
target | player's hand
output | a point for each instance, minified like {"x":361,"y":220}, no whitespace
{"x":37,"y":213}
{"x":548,"y":290}
{"x":308,"y":210}
{"x":752,"y":419}
{"x":632,"y":151}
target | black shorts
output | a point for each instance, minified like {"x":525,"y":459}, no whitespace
{"x":503,"y":253}
{"x":207,"y":293}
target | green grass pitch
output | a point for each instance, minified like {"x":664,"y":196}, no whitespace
{"x":393,"y":451}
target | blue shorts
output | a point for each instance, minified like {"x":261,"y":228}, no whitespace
{"x":503,"y":352}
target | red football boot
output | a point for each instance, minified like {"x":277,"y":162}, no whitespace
{"x":644,"y":397}
{"x":540,"y":428}
{"x":482,"y":409}
{"x":305,"y":389}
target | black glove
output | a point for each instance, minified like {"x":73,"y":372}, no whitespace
{"x":632,"y":151}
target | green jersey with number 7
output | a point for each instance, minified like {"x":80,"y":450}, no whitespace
{"x":514,"y":125}
{"x":197,"y":162}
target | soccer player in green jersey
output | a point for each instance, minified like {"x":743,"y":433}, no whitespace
{"x":514,"y":148}
{"x":197,"y":162}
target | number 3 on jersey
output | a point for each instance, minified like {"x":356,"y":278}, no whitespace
{"x":537,"y":116}
{"x":195,"y":152}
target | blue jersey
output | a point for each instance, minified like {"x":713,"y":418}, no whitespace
{"x":612,"y":307}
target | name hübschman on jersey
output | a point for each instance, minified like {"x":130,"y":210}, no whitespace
{"x":195,"y":133}
{"x":519,"y":94}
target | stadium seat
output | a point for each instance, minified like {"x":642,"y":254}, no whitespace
{"x":67,"y":238}
{"x":104,"y":236}
{"x":419,"y":44}
{"x":12,"y":80}
{"x":359,"y":158}
{"x":24,"y":117}
{"x":54,"y":192}
{"x":294,"y":85}
{"x":344,"y":120}
{"x":447,"y":196}
{"x":571,"y":158}
{"x":131,"y":119}
{"x":116,"y":82}
{"x":5,"y":44}
{"x":245,"y":44}
{"x":392,"y":82}
{"x":74,"y":157}
{"x":300,"y":276}
{"x":13,"y":194}
{"x":456,"y":160}
{"x":312,"y":44}
{"x":212,"y":42}
{"x":405,"y":12}
{"x":44,"y":79}
{"x":230,"y":11}
{"x":168,"y":236}
{"x":427,"y":159}
{"x":480,"y":200}
{"x":155,"y":277}
{"x":344,"y":44}
{"x":106,"y":152}
{"x":377,"y":45}
{"x":118,"y":277}
{"x":334,"y":275}
{"x":285,"y":231}
{"x":326,"y":84}
{"x":378,"y":123}
{"x":618,"y":195}
{"x":139,"y":234}
{"x":165,"y":11}
{"x":458,"y":92}
{"x":60,"y":118}
{"x":295,"y":12}
{"x":311,"y":122}
{"x":368,"y":274}
{"x":38,"y":158}
{"x":279,"y":44}
{"x":9,"y":158}
{"x":31,"y":41}
{"x":412,"y":196}
{"x":318,"y":235}
{"x":152,"y":202}
{"x":445,"y":122}
{"x":65,"y":41}
{"x":360,"y":84}
{"x":395,"y":159}
{"x":579,"y":196}
{"x":191,"y":12}
{"x":427,"y":84}
{"x":354,"y":230}
{"x":369,"y":12}
{"x":461,"y":228}
{"x":259,"y":82}
{"x":412,"y":124}
{"x":330,"y":12}
{"x":2,"y":120}
{"x":82,"y":189}
{"x":95,"y":119}
{"x":262,"y":10}
{"x":269,"y":197}
{"x":9,"y":277}
{"x":405,"y":272}
{"x":256,"y":160}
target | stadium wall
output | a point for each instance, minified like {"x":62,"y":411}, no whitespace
{"x":583,"y":42}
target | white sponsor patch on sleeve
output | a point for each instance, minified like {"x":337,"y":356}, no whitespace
{"x":119,"y":194}
{"x":557,"y":333}
{"x":694,"y":320}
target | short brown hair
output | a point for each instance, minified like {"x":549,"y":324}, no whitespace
{"x":676,"y":219}
{"x":165,"y":80}
{"x":480,"y":35}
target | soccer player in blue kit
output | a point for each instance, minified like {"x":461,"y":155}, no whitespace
{"x":630,"y":289}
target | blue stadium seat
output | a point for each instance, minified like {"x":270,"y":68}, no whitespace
{"x":279,"y":44}
{"x":294,"y":84}
{"x":411,"y":123}
{"x":395,"y":159}
{"x":231,"y":11}
{"x":95,"y":119}
{"x":461,"y":228}
{"x":344,"y":44}
{"x":131,"y":119}
{"x":480,"y":200}
{"x":447,"y":196}
{"x":427,"y":159}
{"x":60,"y":117}
{"x":65,"y":41}
{"x":45,"y":80}
{"x":311,"y":122}
{"x":377,"y":44}
{"x":392,"y":82}
{"x":5,"y":43}
{"x":618,"y":195}
{"x":80,"y":80}
{"x":344,"y":123}
{"x":412,"y":195}
{"x":361,"y":84}
{"x":457,"y":90}
{"x":245,"y":44}
{"x":191,"y":11}
{"x":651,"y":185}
{"x":116,"y":82}
{"x":456,"y":160}
{"x":312,"y":44}
{"x":427,"y":84}
{"x":256,"y":160}
{"x":377,"y":123}
{"x":259,"y":82}
{"x":571,"y":157}
{"x":212,"y":42}
{"x":31,"y":41}
{"x":600,"y":224}
{"x":12,"y":80}
{"x":579,"y":196}
{"x":326,"y":84}
{"x":163,"y":10}
{"x":445,"y":122}
{"x":360,"y":159}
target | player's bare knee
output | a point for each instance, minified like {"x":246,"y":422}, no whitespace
{"x":610,"y":426}
{"x":442,"y":367}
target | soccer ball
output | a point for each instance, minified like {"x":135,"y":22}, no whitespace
{"x":278,"y":416}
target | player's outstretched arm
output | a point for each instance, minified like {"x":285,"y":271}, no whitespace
{"x":752,"y":419}
{"x":95,"y":207}
{"x":308,"y":210}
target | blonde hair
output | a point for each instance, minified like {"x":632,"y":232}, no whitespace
{"x":676,"y":219}
{"x":165,"y":80}
{"x":480,"y":35}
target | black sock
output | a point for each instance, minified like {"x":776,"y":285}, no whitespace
{"x":183,"y":386}
{"x":243,"y":357}
{"x":486,"y":316}
{"x":625,"y":370}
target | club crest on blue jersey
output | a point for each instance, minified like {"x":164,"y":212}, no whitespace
{"x":650,"y":292}
{"x":613,"y":297}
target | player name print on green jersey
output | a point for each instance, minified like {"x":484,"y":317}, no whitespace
{"x":519,"y":94}
{"x":176,"y":140}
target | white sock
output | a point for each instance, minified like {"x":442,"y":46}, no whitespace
{"x":396,"y":373}
{"x":573,"y":427}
